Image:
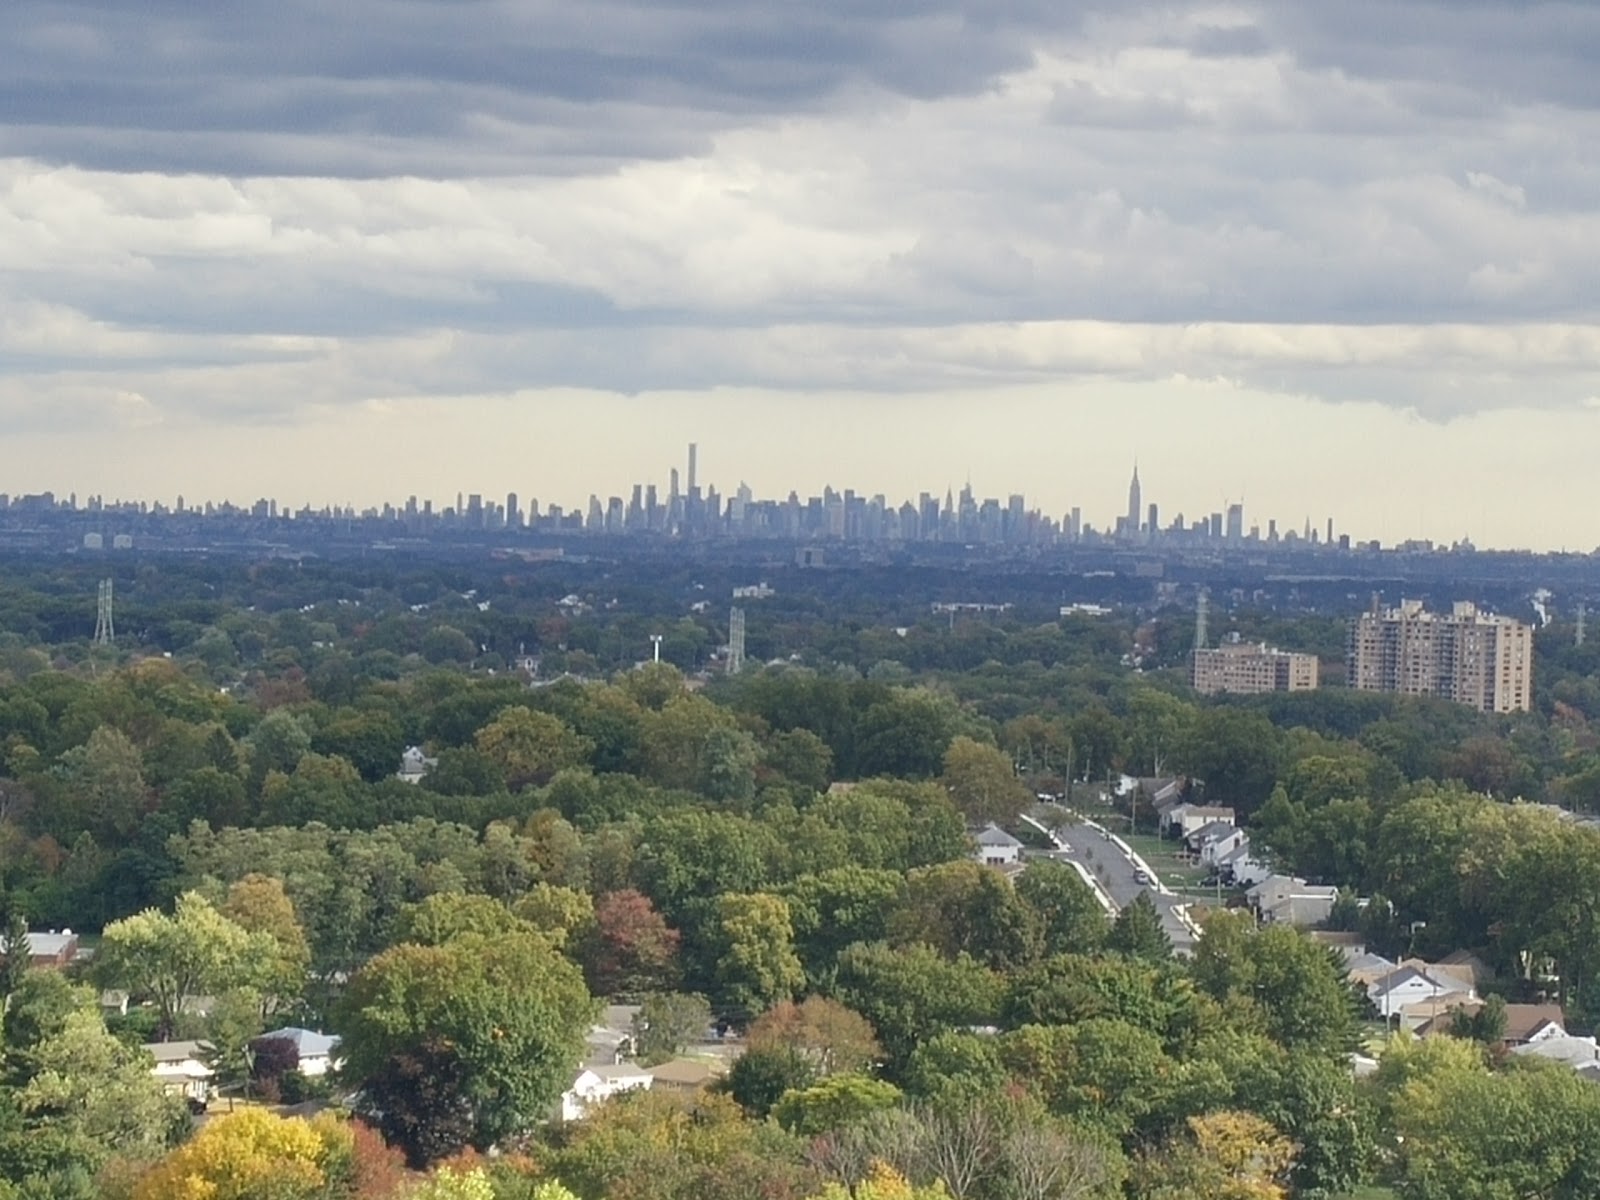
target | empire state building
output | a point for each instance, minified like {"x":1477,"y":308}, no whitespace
{"x":1131,"y":525}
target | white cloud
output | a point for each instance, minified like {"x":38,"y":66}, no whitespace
{"x":1308,"y":201}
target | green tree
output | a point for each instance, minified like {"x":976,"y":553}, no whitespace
{"x":836,"y":908}
{"x":1486,"y":1025}
{"x":913,"y":994}
{"x":170,"y":959}
{"x":76,"y":1094}
{"x":1104,"y":1073}
{"x":728,"y":763}
{"x":965,"y":908}
{"x":1298,"y":988}
{"x":260,"y":906}
{"x":1466,"y":1134}
{"x":529,"y":747}
{"x":762,"y":1076}
{"x":982,"y":782}
{"x":14,"y":944}
{"x":438,"y":918}
{"x":1137,"y":931}
{"x":1065,"y":909}
{"x":103,"y":782}
{"x":756,"y":964}
{"x":833,"y":1103}
{"x":669,"y":1021}
{"x":801,"y":757}
{"x":507,"y":1015}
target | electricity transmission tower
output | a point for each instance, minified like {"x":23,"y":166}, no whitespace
{"x":105,"y":625}
{"x":735,"y":641}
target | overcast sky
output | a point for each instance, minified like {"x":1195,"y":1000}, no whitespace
{"x":1330,"y":258}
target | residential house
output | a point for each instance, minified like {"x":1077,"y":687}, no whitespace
{"x":49,"y":949}
{"x":599,"y":1083}
{"x":1181,"y":820}
{"x":1241,"y":868}
{"x":1464,"y":964}
{"x":1525,"y":1023}
{"x":687,"y":1074}
{"x":996,"y":847}
{"x":1582,"y":1054}
{"x":414,"y":765}
{"x":1311,"y":906}
{"x":1290,"y":900}
{"x":182,"y":1070}
{"x":1365,"y":969}
{"x":1214,"y":841}
{"x":1416,"y":993}
{"x":317,"y":1052}
{"x":1348,"y":942}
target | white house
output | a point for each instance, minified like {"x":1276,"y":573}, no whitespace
{"x":318,"y":1052}
{"x":1242,"y":867}
{"x":1214,"y":841}
{"x":1411,"y":986}
{"x":414,"y":764}
{"x":598,"y":1083}
{"x":1187,"y":818}
{"x":182,"y":1070}
{"x":996,"y":847}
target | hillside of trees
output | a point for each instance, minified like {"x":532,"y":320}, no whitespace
{"x":214,"y":804}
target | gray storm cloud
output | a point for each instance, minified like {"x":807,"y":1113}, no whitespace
{"x":234,"y":209}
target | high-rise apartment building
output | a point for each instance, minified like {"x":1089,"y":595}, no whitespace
{"x":1467,"y":656}
{"x":1247,"y":668}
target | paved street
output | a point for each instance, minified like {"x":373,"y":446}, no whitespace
{"x":1090,"y":847}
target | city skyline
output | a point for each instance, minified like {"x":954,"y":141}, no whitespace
{"x":340,"y":255}
{"x":680,"y":507}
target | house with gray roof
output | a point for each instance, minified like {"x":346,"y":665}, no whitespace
{"x":996,"y":847}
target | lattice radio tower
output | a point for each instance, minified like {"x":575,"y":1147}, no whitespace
{"x":735,"y":641}
{"x":105,"y":625}
{"x":1201,"y":603}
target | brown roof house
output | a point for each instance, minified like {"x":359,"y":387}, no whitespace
{"x":687,"y":1074}
{"x":51,"y":950}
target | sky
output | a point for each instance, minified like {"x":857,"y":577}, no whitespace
{"x":1328,"y":259}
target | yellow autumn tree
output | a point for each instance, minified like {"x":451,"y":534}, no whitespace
{"x":1227,"y":1156}
{"x":252,"y":1154}
{"x":883,"y":1183}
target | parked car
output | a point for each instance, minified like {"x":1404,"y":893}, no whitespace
{"x":1141,"y":876}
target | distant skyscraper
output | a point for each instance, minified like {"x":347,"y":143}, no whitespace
{"x":1132,"y":529}
{"x":693,"y":450}
{"x":1235,"y":522}
{"x":1152,"y":520}
{"x":513,"y":511}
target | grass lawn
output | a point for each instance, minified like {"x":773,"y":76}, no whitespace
{"x":1165,"y":860}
